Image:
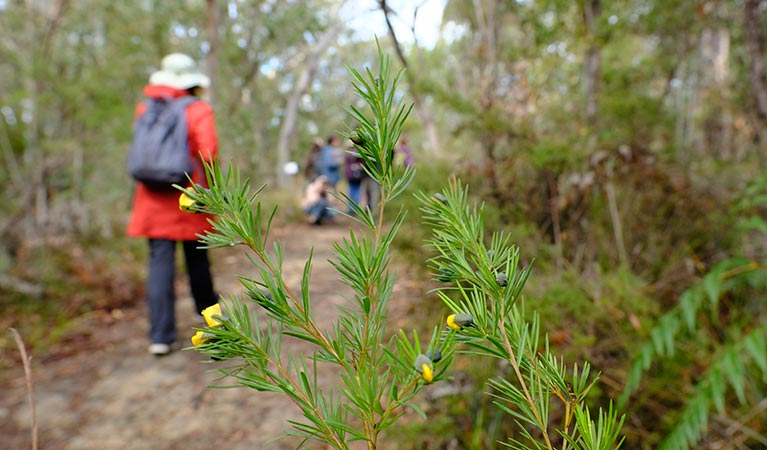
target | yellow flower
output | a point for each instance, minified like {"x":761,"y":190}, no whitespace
{"x":187,"y":204}
{"x":460,"y":321}
{"x":200,"y":338}
{"x":424,"y":365}
{"x":426,"y":373}
{"x":213,"y":315}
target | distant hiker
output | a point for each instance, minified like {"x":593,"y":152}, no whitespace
{"x":155,"y":213}
{"x":331,"y":158}
{"x":354,"y":172}
{"x":402,"y":153}
{"x":317,"y":200}
{"x":313,"y":165}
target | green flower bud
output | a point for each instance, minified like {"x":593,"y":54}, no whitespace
{"x":360,"y":138}
{"x":440,"y":198}
{"x":460,"y":321}
{"x":435,"y":355}
{"x":446,"y":274}
{"x":261,"y":297}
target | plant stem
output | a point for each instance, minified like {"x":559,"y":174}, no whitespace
{"x":30,"y":387}
{"x":568,"y":419}
{"x":286,"y":377}
{"x":308,"y":324}
{"x":395,"y":403}
{"x":370,"y":427}
{"x":735,"y":271}
{"x":515,"y":365}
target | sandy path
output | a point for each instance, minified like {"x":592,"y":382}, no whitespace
{"x":113,"y":395}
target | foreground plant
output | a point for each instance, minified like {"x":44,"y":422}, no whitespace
{"x":484,"y":294}
{"x":379,"y":375}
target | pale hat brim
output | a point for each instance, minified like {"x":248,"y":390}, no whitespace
{"x":179,"y":81}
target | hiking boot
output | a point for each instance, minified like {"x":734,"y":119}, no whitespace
{"x":158,"y":349}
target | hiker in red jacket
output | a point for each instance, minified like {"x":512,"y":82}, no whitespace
{"x":156,"y":215}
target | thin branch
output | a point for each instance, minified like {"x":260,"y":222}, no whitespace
{"x":737,"y":425}
{"x":53,"y":25}
{"x":30,"y":387}
{"x":515,"y":366}
{"x":309,"y":325}
{"x":296,"y":387}
{"x":755,"y":44}
{"x":757,"y":410}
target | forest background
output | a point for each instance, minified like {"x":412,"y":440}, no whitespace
{"x":621,"y":143}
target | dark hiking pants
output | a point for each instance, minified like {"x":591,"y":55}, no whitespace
{"x":160,"y":286}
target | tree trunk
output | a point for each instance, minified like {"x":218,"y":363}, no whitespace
{"x":11,"y":162}
{"x":715,"y":54}
{"x":591,"y":62}
{"x":33,"y":157}
{"x":211,"y":59}
{"x":303,"y":82}
{"x":488,"y":27}
{"x":421,"y":109}
{"x":159,"y":25}
{"x":615,"y":217}
{"x":756,"y":44}
{"x":488,"y":30}
{"x":552,"y":188}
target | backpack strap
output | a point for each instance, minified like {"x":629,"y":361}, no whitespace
{"x":178,"y":103}
{"x":184,"y":102}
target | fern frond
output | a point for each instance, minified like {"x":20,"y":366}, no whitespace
{"x":729,"y":370}
{"x":721,"y":279}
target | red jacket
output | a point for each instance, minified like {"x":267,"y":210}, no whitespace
{"x":156,"y":214}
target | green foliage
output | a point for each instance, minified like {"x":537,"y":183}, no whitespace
{"x":376,"y":138}
{"x":376,"y":371}
{"x":683,"y":318}
{"x":428,"y":177}
{"x":602,"y":433}
{"x":731,"y":369}
{"x":487,"y":282}
{"x":551,"y":155}
{"x":735,"y":343}
{"x":379,"y":374}
{"x":598,"y":311}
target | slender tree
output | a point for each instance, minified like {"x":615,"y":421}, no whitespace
{"x":756,"y":44}
{"x":310,"y":57}
{"x":211,"y":58}
{"x":421,"y":104}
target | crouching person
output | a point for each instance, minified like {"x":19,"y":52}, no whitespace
{"x":317,"y":201}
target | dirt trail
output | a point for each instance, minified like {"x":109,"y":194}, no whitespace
{"x":112,"y":395}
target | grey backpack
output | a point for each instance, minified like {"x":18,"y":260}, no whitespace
{"x":159,"y":154}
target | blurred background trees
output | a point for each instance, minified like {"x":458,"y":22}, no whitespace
{"x":621,"y":142}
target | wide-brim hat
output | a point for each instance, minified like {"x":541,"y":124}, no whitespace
{"x":179,"y":71}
